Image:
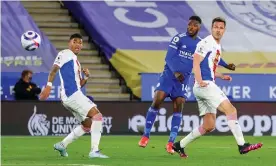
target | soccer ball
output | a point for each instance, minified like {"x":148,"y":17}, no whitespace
{"x":30,"y":40}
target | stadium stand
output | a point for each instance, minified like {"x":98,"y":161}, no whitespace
{"x":14,"y":59}
{"x":130,"y":38}
{"x":57,"y":24}
{"x":135,"y":35}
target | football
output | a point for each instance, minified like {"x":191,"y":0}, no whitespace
{"x":30,"y":40}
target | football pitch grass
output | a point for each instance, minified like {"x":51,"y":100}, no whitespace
{"x":124,"y":151}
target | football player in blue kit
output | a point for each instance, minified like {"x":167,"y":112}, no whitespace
{"x":174,"y":80}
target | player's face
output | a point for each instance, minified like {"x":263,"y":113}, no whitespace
{"x":193,"y":27}
{"x":218,"y":30}
{"x":75,"y":45}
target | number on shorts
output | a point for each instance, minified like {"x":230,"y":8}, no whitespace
{"x":184,"y":87}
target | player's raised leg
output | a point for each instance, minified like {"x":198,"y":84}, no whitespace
{"x":231,"y":114}
{"x":209,"y":122}
{"x":74,"y":135}
{"x":178,"y":104}
{"x":159,"y":97}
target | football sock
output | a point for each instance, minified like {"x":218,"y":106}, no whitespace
{"x":74,"y":135}
{"x":151,"y":115}
{"x":176,"y":120}
{"x":235,"y":128}
{"x":196,"y":133}
{"x":96,"y":132}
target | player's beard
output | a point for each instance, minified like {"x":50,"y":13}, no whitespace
{"x":217,"y":36}
{"x":193,"y":35}
{"x":75,"y":51}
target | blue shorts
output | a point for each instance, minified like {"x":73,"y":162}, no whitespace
{"x":172,"y":87}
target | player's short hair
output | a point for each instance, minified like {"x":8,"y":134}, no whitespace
{"x":196,"y":18}
{"x":76,"y":35}
{"x":218,"y":19}
{"x":25,"y":72}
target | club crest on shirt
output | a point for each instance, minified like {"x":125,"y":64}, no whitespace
{"x":256,"y":15}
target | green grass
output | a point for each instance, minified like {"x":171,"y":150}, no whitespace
{"x":124,"y":151}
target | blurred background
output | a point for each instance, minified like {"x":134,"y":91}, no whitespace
{"x":124,"y":48}
{"x":125,"y":45}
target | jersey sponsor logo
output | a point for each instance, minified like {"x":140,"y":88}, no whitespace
{"x":185,"y":54}
{"x":257,"y":15}
{"x":38,"y":125}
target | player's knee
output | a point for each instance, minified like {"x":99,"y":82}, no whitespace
{"x":98,"y":117}
{"x":86,"y":123}
{"x":156,"y":104}
{"x":159,"y":97}
{"x":180,"y":100}
{"x":92,"y":112}
{"x":179,"y":104}
{"x":232,"y":110}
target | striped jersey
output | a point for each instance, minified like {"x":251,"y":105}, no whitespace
{"x":69,"y":73}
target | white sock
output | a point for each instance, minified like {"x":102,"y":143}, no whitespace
{"x":96,"y":132}
{"x":196,"y":133}
{"x":74,"y":135}
{"x":235,"y":128}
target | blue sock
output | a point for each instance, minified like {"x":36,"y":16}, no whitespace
{"x":176,"y":120}
{"x":151,"y":115}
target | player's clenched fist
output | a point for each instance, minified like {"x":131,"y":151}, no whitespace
{"x":227,"y":77}
{"x":86,"y":72}
{"x":45,"y":93}
{"x":179,"y":76}
{"x":231,"y":66}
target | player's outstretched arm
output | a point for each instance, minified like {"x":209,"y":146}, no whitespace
{"x":230,"y":66}
{"x":222,"y":76}
{"x":46,"y":91}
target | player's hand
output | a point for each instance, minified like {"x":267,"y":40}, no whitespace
{"x":203,"y":84}
{"x":231,"y":66}
{"x":86,"y":72}
{"x":179,"y":76}
{"x":45,"y":93}
{"x":227,"y":77}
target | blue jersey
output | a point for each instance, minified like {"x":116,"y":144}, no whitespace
{"x":179,"y":56}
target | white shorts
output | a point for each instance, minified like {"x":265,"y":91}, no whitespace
{"x":208,"y":98}
{"x":79,"y":105}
